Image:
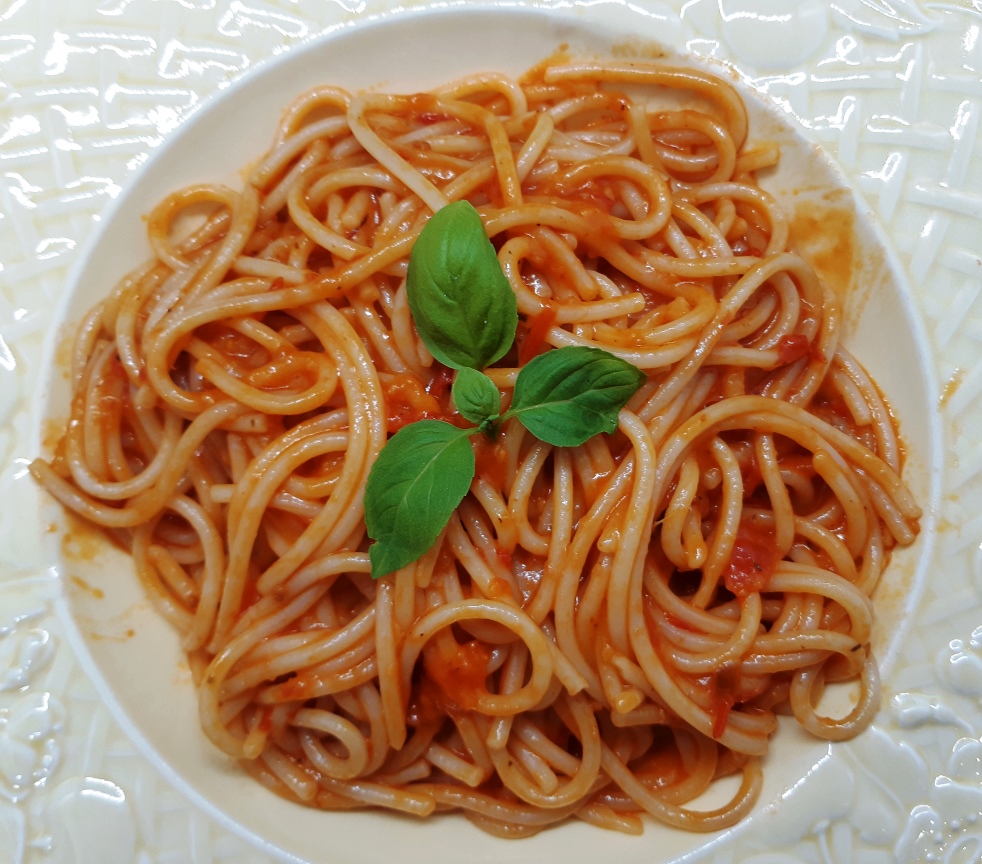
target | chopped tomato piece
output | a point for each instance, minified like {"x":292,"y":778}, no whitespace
{"x":441,"y":382}
{"x":753,"y":560}
{"x":458,"y":670}
{"x":791,"y":348}
{"x":499,"y":588}
{"x":724,"y":686}
{"x":406,"y":402}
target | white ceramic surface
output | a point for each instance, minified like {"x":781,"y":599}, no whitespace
{"x":893,"y":92}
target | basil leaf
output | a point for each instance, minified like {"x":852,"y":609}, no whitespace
{"x":421,"y":475}
{"x":476,"y":397}
{"x":568,"y":395}
{"x":463,"y":306}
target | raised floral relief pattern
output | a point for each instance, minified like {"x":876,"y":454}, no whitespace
{"x":73,"y":789}
{"x":892,"y":90}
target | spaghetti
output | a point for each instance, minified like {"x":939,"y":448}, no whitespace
{"x":600,"y":631}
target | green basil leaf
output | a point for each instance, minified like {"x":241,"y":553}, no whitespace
{"x":476,"y":397}
{"x":570,"y":394}
{"x":463,"y":306}
{"x":421,"y":475}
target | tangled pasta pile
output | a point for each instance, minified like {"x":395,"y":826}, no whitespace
{"x":600,"y":631}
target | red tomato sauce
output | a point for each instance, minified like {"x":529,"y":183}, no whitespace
{"x":491,"y":461}
{"x":533,"y":343}
{"x":458,"y":670}
{"x":753,"y":560}
{"x":791,"y":348}
{"x":724,"y":687}
{"x":439,"y":385}
{"x":663,"y":764}
{"x":407,"y":401}
{"x":499,"y":588}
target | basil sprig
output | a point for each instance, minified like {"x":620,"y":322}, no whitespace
{"x":465,"y":312}
{"x":419,"y":478}
{"x":568,"y":395}
{"x":463,"y":306}
{"x":476,"y":398}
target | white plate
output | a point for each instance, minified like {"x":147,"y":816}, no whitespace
{"x":140,"y":675}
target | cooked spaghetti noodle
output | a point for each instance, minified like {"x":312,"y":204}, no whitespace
{"x":600,"y":631}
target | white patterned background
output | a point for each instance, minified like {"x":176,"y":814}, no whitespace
{"x":892,"y":89}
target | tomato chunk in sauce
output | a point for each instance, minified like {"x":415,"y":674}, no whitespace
{"x":458,"y":670}
{"x":753,"y":560}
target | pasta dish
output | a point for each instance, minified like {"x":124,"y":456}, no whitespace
{"x":598,"y":631}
